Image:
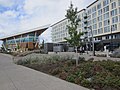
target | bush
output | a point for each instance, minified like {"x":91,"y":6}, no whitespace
{"x":100,"y":75}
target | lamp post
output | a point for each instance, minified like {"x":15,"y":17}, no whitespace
{"x":93,"y":45}
{"x":111,"y":46}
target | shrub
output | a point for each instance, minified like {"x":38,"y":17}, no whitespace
{"x":63,"y":75}
{"x":71,"y":78}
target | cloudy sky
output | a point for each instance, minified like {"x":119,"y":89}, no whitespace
{"x":21,"y":15}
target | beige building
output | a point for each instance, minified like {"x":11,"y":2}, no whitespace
{"x":103,"y":19}
{"x":59,"y":31}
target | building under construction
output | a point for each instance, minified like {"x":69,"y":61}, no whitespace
{"x":27,"y":40}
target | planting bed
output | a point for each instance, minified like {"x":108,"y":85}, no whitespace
{"x":98,"y":75}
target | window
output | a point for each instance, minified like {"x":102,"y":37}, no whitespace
{"x":89,"y":11}
{"x":94,"y":20}
{"x":106,"y":15}
{"x":107,"y":37}
{"x":106,"y":9}
{"x":106,"y":22}
{"x":115,"y":19}
{"x":111,"y":1}
{"x":100,"y":18}
{"x":106,"y":29}
{"x":114,"y":27}
{"x":94,"y":15}
{"x":100,"y":30}
{"x":100,"y":24}
{"x":94,"y":32}
{"x":99,"y":6}
{"x":94,"y":9}
{"x":100,"y":12}
{"x":89,"y":17}
{"x":119,"y":10}
{"x":89,"y":22}
{"x":114,"y":12}
{"x":94,"y":26}
{"x":105,"y":2}
{"x":118,"y":2}
{"x":113,"y":5}
{"x":119,"y":18}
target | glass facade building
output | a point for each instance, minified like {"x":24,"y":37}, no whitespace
{"x":27,"y":40}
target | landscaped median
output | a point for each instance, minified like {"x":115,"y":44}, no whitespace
{"x":98,"y":75}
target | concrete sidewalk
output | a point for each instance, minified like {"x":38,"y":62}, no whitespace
{"x":88,"y":56}
{"x":15,"y":77}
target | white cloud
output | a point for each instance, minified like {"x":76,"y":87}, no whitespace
{"x":35,"y":13}
{"x":6,"y":3}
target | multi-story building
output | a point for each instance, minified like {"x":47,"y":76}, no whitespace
{"x":104,"y":19}
{"x":27,"y":40}
{"x":59,"y":29}
{"x":103,"y":22}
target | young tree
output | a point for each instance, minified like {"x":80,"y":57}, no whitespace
{"x":73,"y":19}
{"x":42,"y":47}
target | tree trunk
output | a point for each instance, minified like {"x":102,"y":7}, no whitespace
{"x":76,"y":56}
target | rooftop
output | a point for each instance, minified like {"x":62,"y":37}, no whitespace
{"x":26,"y":32}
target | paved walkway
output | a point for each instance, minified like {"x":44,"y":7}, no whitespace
{"x":15,"y":77}
{"x":88,"y":56}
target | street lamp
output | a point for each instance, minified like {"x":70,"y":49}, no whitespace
{"x":111,"y":46}
{"x":93,"y":45}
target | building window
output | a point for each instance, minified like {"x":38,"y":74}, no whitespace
{"x":111,"y":1}
{"x":113,"y":5}
{"x":105,"y":2}
{"x":100,"y":18}
{"x":94,"y":32}
{"x":106,"y":22}
{"x":114,"y":12}
{"x":100,"y":24}
{"x":94,"y":15}
{"x":114,"y":27}
{"x":89,"y":22}
{"x":100,"y":12}
{"x":94,"y":20}
{"x":106,"y":15}
{"x":106,"y":29}
{"x":119,"y":10}
{"x":94,"y":9}
{"x":106,"y":9}
{"x":99,"y":6}
{"x":100,"y":31}
{"x":107,"y":37}
{"x":118,"y":2}
{"x":89,"y":11}
{"x":119,"y":18}
{"x":114,"y":19}
{"x":94,"y":26}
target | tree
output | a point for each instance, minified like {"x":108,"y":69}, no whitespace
{"x":42,"y":47}
{"x":73,"y":19}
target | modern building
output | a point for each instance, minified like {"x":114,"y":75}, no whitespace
{"x":103,"y":22}
{"x":104,"y":19}
{"x":27,"y":40}
{"x":59,"y":29}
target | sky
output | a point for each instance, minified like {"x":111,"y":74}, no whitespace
{"x":21,"y":15}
